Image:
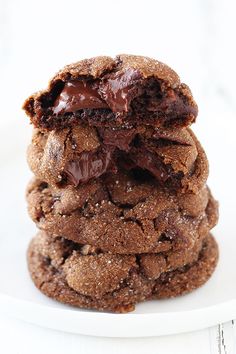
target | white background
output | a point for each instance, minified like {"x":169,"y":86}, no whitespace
{"x":195,"y":37}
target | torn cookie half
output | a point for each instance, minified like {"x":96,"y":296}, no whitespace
{"x":128,"y":90}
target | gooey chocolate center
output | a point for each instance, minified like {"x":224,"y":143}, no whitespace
{"x":78,"y":95}
{"x":117,"y":151}
{"x":114,"y":92}
{"x":88,"y":165}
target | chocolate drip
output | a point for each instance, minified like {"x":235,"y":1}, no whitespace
{"x":118,"y":90}
{"x":120,"y":149}
{"x":78,"y":95}
{"x":142,"y":158}
{"x":115,"y":93}
{"x":120,"y":138}
{"x":88,"y":165}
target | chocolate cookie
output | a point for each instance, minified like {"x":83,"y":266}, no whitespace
{"x":126,"y":91}
{"x":76,"y":155}
{"x":122,"y":214}
{"x":87,"y":278}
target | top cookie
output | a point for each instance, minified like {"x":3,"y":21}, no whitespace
{"x":126,"y":91}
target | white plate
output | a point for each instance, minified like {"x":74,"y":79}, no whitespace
{"x":213,"y":303}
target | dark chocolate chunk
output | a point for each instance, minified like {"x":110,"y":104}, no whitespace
{"x":119,"y":138}
{"x":150,"y":162}
{"x":88,"y":165}
{"x":78,"y":95}
{"x":119,"y":88}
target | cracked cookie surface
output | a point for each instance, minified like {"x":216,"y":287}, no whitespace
{"x":85,"y":277}
{"x":76,"y":155}
{"x":123,"y":214}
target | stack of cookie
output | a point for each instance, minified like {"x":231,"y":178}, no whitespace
{"x":119,"y":193}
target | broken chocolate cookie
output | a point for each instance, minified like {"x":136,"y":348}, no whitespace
{"x":126,"y":91}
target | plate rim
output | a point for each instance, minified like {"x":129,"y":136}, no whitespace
{"x":111,"y":325}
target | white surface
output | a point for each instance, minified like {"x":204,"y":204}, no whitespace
{"x":21,"y":338}
{"x":197,"y":38}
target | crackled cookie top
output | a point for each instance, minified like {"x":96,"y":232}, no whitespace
{"x":122,"y":213}
{"x":85,"y":277}
{"x":76,"y":155}
{"x":126,"y":91}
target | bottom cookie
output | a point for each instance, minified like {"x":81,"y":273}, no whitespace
{"x":83,"y":276}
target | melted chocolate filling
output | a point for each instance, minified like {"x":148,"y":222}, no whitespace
{"x":117,"y":93}
{"x":118,"y":98}
{"x":119,"y":89}
{"x":151,"y":162}
{"x":78,"y":95}
{"x":119,"y":138}
{"x":89,"y":165}
{"x":114,"y":92}
{"x":121,"y":148}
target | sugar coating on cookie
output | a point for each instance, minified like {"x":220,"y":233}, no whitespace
{"x":111,"y":282}
{"x":76,"y":155}
{"x":122,"y":214}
